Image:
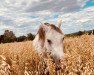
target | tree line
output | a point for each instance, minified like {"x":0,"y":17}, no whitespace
{"x":79,"y":33}
{"x":9,"y":36}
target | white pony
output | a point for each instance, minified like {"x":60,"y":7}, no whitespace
{"x":50,"y":39}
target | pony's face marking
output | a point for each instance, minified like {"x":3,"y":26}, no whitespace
{"x":50,"y":37}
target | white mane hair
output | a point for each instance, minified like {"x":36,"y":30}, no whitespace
{"x":49,"y":37}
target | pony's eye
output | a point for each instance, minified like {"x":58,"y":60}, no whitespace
{"x":49,"y":41}
{"x":62,"y":38}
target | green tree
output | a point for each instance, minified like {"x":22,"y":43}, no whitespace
{"x":30,"y":36}
{"x":9,"y":36}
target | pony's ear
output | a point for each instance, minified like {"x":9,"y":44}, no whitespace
{"x":39,"y":40}
{"x":60,"y":23}
{"x":46,"y":27}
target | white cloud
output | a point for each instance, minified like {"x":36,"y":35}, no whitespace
{"x":23,"y":16}
{"x":56,"y":5}
{"x":78,"y":20}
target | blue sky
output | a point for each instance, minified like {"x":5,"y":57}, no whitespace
{"x":24,"y":16}
{"x":89,"y":3}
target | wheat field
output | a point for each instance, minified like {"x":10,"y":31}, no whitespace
{"x":78,"y":59}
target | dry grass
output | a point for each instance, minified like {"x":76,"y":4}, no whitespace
{"x":78,"y":60}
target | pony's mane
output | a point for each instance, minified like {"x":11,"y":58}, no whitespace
{"x":54,"y":27}
{"x":41,"y":31}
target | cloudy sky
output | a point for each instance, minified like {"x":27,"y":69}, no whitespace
{"x":24,"y":16}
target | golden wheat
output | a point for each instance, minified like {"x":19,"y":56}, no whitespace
{"x":78,"y":59}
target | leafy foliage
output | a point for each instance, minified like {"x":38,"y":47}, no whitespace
{"x":30,"y":36}
{"x":9,"y":36}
